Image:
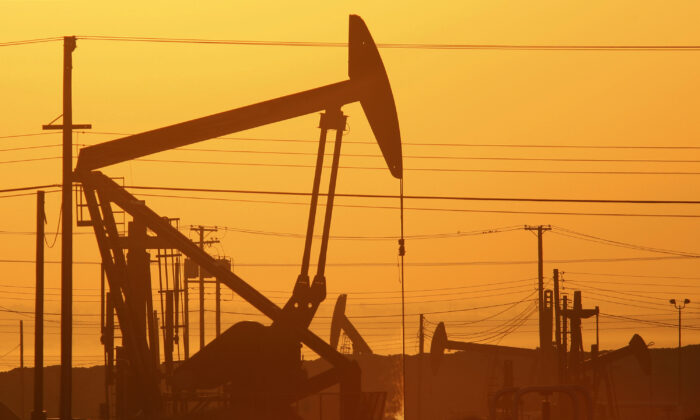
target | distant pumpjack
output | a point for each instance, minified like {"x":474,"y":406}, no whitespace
{"x":575,"y":315}
{"x":340,"y":322}
{"x":440,"y":343}
{"x":598,"y":365}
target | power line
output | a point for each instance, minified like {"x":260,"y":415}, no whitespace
{"x":583,"y":236}
{"x":14,"y":149}
{"x":438,"y":209}
{"x":29,"y":41}
{"x":665,"y":285}
{"x":444,"y":235}
{"x":389,"y":196}
{"x":646,"y":321}
{"x":30,"y":160}
{"x":418,"y":46}
{"x":416,"y":264}
{"x":411,"y":143}
{"x":351,"y":292}
{"x":367,"y":155}
{"x":474,"y":308}
{"x":412,"y":46}
{"x":418,"y":197}
{"x":633,"y":275}
{"x":33,"y":187}
{"x":624,"y":293}
{"x":377,"y":168}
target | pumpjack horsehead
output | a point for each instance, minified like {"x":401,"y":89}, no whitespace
{"x":260,"y":365}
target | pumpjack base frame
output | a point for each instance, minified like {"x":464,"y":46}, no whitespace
{"x":101,"y":193}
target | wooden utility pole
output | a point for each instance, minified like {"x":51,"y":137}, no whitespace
{"x":201,"y":293}
{"x":557,"y":321}
{"x":186,"y":316}
{"x":564,"y":341}
{"x":421,"y":350}
{"x":218,"y":306}
{"x":540,"y":279}
{"x":421,"y":336}
{"x":202,"y":230}
{"x":65,"y":411}
{"x":169,"y":330}
{"x":21,"y":368}
{"x":38,"y":412}
{"x":597,"y":329}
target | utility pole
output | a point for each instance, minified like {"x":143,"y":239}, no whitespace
{"x":201,"y":293}
{"x":202,"y":230}
{"x":217,"y":297}
{"x":65,"y":409}
{"x":21,"y":368}
{"x":38,"y":412}
{"x":679,"y":307}
{"x":421,"y":336}
{"x":563,"y":361}
{"x":186,"y":316}
{"x":597,"y":330}
{"x":421,"y":350}
{"x":540,"y":278}
{"x":557,"y":320}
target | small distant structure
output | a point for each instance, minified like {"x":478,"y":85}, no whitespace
{"x":341,"y":323}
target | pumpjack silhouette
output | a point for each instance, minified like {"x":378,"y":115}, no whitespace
{"x":259,"y":366}
{"x":580,"y":378}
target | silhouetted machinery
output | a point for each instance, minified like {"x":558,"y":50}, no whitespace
{"x":598,"y":365}
{"x":580,"y":382}
{"x":440,"y":343}
{"x":258,"y":366}
{"x":341,"y":323}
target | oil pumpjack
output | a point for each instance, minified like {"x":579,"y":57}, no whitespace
{"x":258,"y":365}
{"x":341,"y":323}
{"x":580,"y":380}
{"x":440,"y":343}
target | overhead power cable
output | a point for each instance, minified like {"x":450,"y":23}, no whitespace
{"x":438,"y":209}
{"x":419,"y":46}
{"x":474,"y":308}
{"x":634,"y":275}
{"x":413,"y":143}
{"x":383,"y":196}
{"x":428,"y":157}
{"x":416,"y":264}
{"x":418,"y":197}
{"x":584,"y":236}
{"x":379,"y":168}
{"x":412,"y":46}
{"x":365,"y":237}
{"x":454,"y":170}
{"x":30,"y":41}
{"x":666,"y":286}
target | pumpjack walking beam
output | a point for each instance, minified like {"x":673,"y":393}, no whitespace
{"x":368,"y":83}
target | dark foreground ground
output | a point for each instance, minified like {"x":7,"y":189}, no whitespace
{"x":458,"y":390}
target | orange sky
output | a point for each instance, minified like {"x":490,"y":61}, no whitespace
{"x":442,"y":96}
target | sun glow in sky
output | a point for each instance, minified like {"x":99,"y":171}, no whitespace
{"x":448,"y":101}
